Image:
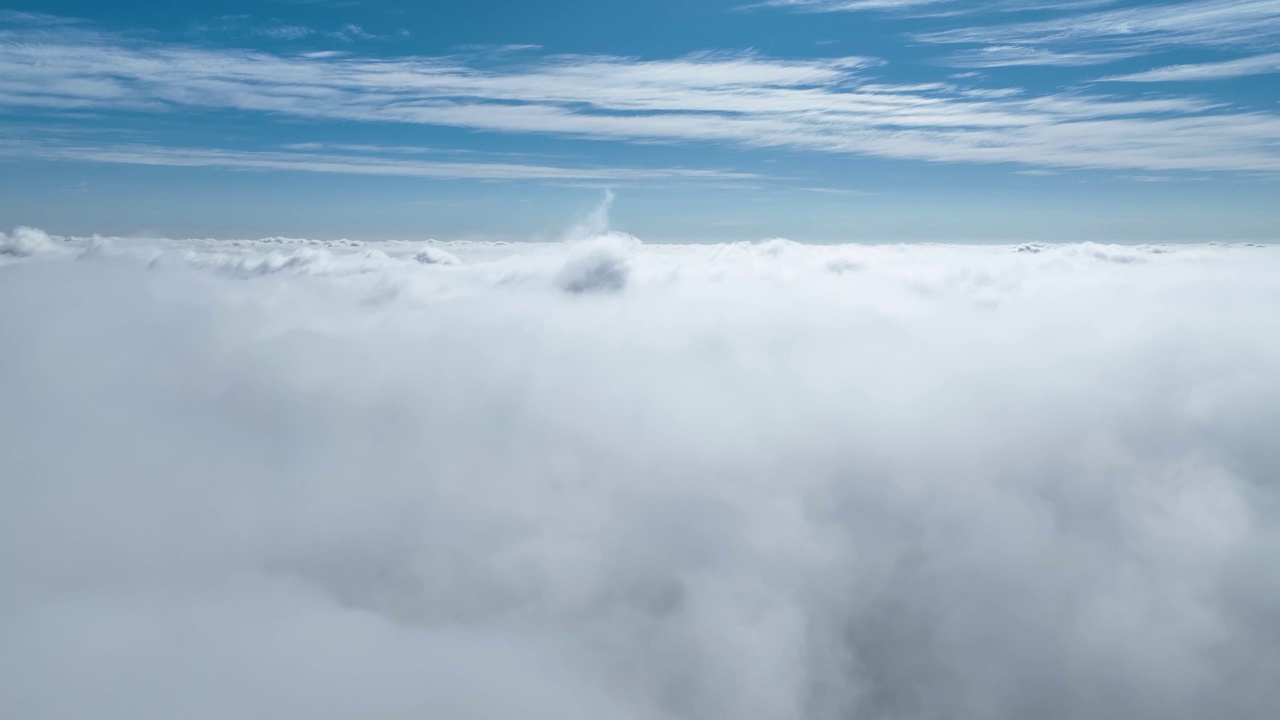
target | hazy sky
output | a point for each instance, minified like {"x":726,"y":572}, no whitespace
{"x":857,"y":120}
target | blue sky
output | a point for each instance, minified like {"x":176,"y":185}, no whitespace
{"x":822,"y":120}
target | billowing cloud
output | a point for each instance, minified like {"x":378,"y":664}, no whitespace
{"x":295,"y":479}
{"x":27,"y":242}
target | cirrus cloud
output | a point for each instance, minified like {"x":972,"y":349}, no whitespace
{"x":831,"y":105}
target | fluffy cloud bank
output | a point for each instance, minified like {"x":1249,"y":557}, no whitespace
{"x":26,"y":242}
{"x":330,"y":480}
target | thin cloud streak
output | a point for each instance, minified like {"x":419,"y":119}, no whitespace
{"x":1019,"y":55}
{"x":1242,"y":67}
{"x":364,"y":164}
{"x":829,"y":6}
{"x":919,"y":7}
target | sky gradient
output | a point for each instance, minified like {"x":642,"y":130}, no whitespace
{"x":816,"y":120}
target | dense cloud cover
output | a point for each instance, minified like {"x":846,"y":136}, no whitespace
{"x":601,"y":479}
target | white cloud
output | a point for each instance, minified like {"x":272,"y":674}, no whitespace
{"x":758,"y":481}
{"x":1241,"y":67}
{"x":27,"y":242}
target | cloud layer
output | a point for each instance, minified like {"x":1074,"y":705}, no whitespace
{"x":760,"y":480}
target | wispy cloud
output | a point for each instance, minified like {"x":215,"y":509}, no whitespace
{"x":832,"y":105}
{"x":348,"y":160}
{"x":351,"y":32}
{"x":1014,"y":55}
{"x":248,"y":25}
{"x":284,"y":32}
{"x":928,"y":7}
{"x":1242,"y":67}
{"x":1213,"y":23}
{"x":36,"y":19}
{"x":826,"y":6}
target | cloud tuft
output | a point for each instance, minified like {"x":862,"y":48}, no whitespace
{"x":429,"y":255}
{"x":601,"y":265}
